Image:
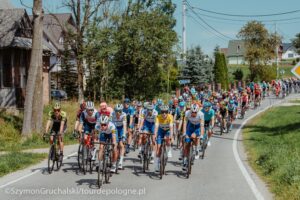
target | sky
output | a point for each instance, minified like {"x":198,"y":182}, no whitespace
{"x":209,"y":29}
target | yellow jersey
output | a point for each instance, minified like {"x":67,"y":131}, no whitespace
{"x":164,"y":123}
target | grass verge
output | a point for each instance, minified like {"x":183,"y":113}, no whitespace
{"x":272,"y":142}
{"x":14,"y":161}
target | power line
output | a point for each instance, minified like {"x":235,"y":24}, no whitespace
{"x":235,"y":15}
{"x":188,"y":4}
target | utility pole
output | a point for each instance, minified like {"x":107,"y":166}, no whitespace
{"x":276,"y":49}
{"x":184,"y":29}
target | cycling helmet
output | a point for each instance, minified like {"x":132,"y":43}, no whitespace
{"x":182,"y":104}
{"x":56,"y":106}
{"x":104,"y":119}
{"x":150,"y":107}
{"x":146,"y":104}
{"x":89,"y":105}
{"x":170,"y":102}
{"x":159,"y":102}
{"x":231,"y":101}
{"x":119,"y":107}
{"x":139,"y":104}
{"x":180,"y":98}
{"x":164,"y":108}
{"x":194,"y":108}
{"x":207,"y":104}
{"x":127,"y":100}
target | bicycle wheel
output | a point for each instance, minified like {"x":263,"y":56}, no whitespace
{"x":162,"y":164}
{"x":108,"y":167}
{"x":59,"y":159}
{"x":79,"y":156}
{"x":84,"y":159}
{"x":203,"y":146}
{"x":178,"y":140}
{"x":189,"y":167}
{"x":145,"y":157}
{"x":51,"y":159}
{"x":221,"y":127}
{"x":101,"y":173}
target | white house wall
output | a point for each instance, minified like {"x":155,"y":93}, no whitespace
{"x":286,"y":55}
{"x":236,"y":60}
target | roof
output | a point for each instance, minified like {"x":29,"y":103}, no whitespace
{"x":53,"y":28}
{"x":26,"y":43}
{"x":287,"y":46}
{"x":5,"y":4}
{"x":10,"y":22}
{"x":224,"y":50}
{"x":236,"y":48}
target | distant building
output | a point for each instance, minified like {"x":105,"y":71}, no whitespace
{"x":236,"y":52}
{"x":289,"y":51}
{"x":15,"y":49}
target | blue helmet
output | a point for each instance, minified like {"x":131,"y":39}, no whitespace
{"x":207,"y":104}
{"x":231,"y":101}
{"x":182,"y":104}
{"x":127,"y":100}
{"x":170,"y":102}
{"x":159,"y":102}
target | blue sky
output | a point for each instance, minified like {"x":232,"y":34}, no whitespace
{"x":199,"y":33}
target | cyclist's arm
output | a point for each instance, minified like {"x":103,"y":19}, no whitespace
{"x":62,"y":125}
{"x":125,"y":124}
{"x":81,"y":119}
{"x":202,"y":125}
{"x":171,"y":127}
{"x":141,"y":123}
{"x":48,"y":125}
{"x":156,"y":127}
{"x":184,"y":125}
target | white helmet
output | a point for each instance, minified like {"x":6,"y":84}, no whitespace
{"x":89,"y":105}
{"x":119,"y":107}
{"x":104,"y":119}
{"x":194,"y":108}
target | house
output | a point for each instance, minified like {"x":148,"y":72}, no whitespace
{"x":289,"y":51}
{"x":54,"y":36}
{"x":15,"y":49}
{"x":236,"y":52}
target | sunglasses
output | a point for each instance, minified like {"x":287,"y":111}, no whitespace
{"x":90,"y":110}
{"x":118,"y":111}
{"x":103,"y":125}
{"x":56,"y":110}
{"x":164,"y":112}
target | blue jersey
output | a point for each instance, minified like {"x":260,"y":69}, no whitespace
{"x":208,"y":115}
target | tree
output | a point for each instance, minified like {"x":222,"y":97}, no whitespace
{"x":296,"y":42}
{"x":238,"y":74}
{"x":34,"y":84}
{"x":144,"y":38}
{"x":260,"y":46}
{"x":220,"y":70}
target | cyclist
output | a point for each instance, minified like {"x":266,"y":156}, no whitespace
{"x":107,"y":130}
{"x":120,"y":120}
{"x":192,"y":128}
{"x":129,"y":111}
{"x":147,"y":126}
{"x":223,"y":112}
{"x":137,"y":117}
{"x":231,"y":110}
{"x":57,"y":120}
{"x":245,"y":101}
{"x":209,"y":121}
{"x":88,"y":119}
{"x":81,"y":109}
{"x":158,"y":105}
{"x":104,"y":109}
{"x":163,"y":129}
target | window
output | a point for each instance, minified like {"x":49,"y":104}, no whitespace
{"x":238,"y":49}
{"x":290,"y":55}
{"x":7,"y":69}
{"x":61,"y":40}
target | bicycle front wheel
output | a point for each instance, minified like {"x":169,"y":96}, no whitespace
{"x":101,"y":173}
{"x":51,"y":159}
{"x":80,"y":155}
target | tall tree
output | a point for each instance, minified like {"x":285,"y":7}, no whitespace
{"x":35,"y":66}
{"x":260,"y":46}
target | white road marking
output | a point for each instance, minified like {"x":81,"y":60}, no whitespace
{"x":30,"y":174}
{"x":245,"y":173}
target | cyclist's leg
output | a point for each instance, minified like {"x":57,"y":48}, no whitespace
{"x":120,"y":140}
{"x":160,"y":137}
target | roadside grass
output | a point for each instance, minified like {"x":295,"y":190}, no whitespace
{"x":295,"y":101}
{"x":11,"y":126}
{"x":272,"y":141}
{"x":14,"y":161}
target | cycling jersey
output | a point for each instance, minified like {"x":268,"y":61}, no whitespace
{"x":89,"y":121}
{"x":57,"y":120}
{"x":164,"y":124}
{"x":231,"y":107}
{"x":149,"y":121}
{"x":129,"y":113}
{"x":119,"y":123}
{"x":106,"y":134}
{"x":194,"y":120}
{"x":209,"y":114}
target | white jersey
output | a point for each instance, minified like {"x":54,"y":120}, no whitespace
{"x":119,"y":121}
{"x":194,"y":120}
{"x":111,"y":129}
{"x":149,"y":118}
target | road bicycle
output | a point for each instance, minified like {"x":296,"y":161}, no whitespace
{"x":104,"y":172}
{"x":54,"y":155}
{"x":146,"y":157}
{"x":191,"y":156}
{"x":86,"y":154}
{"x":163,"y":159}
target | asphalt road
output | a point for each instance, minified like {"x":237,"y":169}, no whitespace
{"x":217,"y":177}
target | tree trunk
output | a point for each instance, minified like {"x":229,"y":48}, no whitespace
{"x":37,"y":112}
{"x":80,"y":79}
{"x":35,"y":63}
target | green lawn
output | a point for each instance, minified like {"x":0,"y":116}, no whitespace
{"x":11,"y":126}
{"x":15,"y":161}
{"x":272,"y":141}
